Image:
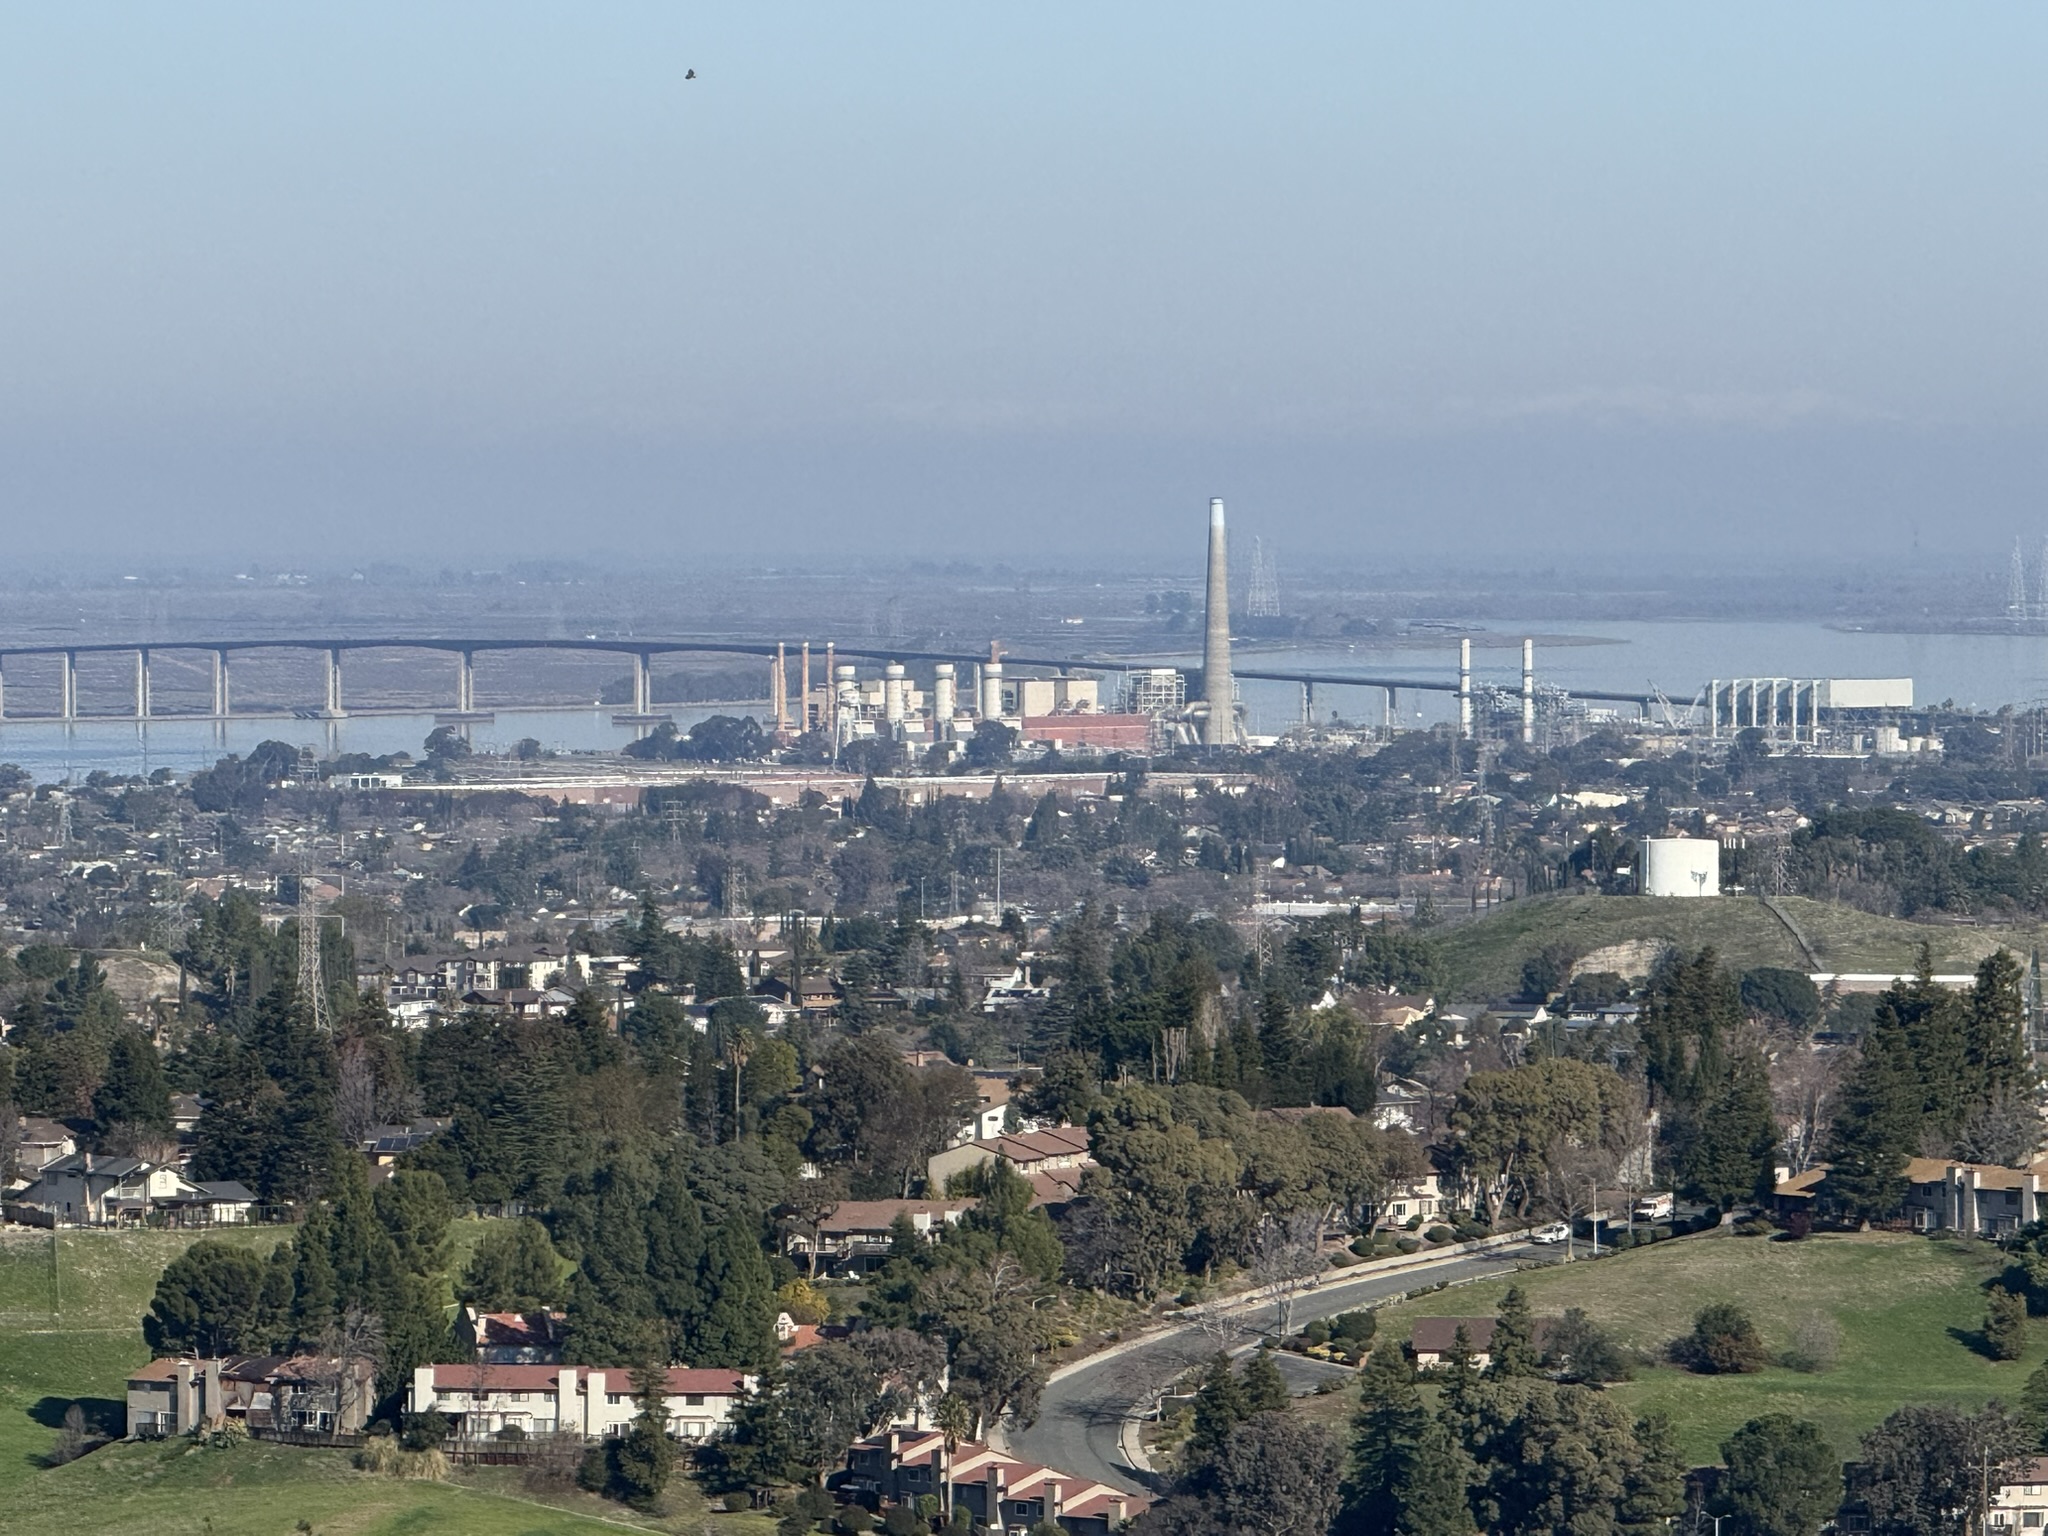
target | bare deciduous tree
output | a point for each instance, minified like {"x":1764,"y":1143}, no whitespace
{"x":1289,"y":1260}
{"x":351,"y":1353}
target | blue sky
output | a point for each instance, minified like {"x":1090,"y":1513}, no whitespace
{"x":321,"y":285}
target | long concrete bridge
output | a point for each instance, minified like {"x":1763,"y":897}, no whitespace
{"x":640,"y":653}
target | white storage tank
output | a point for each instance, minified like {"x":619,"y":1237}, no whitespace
{"x":1681,"y":866}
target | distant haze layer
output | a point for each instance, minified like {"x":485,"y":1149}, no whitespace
{"x":492,"y":281}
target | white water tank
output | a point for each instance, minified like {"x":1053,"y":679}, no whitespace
{"x":1681,"y":866}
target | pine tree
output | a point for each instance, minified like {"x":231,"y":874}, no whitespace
{"x":1220,"y":1407}
{"x":1280,"y":1049}
{"x":738,"y":1331}
{"x":675,"y":1258}
{"x":1996,"y":1046}
{"x":1654,"y":1492}
{"x":2032,"y":1410}
{"x":1877,"y":1126}
{"x":1936,"y":1023}
{"x":1732,"y":1159}
{"x":1458,"y":1373}
{"x":1434,"y":1498}
{"x":1389,"y":1422}
{"x":1513,"y":1349}
{"x":643,"y":1460}
{"x":133,"y":1093}
{"x":1265,"y":1389}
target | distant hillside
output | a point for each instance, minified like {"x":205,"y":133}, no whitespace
{"x":1484,"y":957}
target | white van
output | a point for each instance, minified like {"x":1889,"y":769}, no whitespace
{"x":1657,"y":1207}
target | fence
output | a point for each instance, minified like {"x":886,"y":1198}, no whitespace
{"x":319,"y":1437}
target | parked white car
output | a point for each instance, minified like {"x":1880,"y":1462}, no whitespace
{"x":1556,"y":1232}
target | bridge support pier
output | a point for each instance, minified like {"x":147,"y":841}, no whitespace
{"x":142,"y":683}
{"x":465,"y":682}
{"x":332,"y":710}
{"x":643,"y":684}
{"x":220,"y":685}
{"x":67,"y":686}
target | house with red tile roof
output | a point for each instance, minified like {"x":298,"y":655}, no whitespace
{"x":1003,"y":1492}
{"x":481,"y":1399}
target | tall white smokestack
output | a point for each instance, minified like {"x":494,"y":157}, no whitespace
{"x":1528,"y":690}
{"x":942,"y":698}
{"x":992,"y":691}
{"x":1465,"y":687}
{"x":892,"y":693}
{"x":1219,"y":729}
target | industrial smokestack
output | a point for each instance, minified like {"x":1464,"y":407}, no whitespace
{"x":1465,"y":687}
{"x":942,"y":699}
{"x":992,"y":691}
{"x":1528,"y":691}
{"x":1219,"y":729}
{"x":892,"y":693}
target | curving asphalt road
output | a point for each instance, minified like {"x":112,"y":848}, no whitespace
{"x":1081,"y":1415}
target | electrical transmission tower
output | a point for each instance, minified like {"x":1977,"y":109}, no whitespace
{"x":1262,"y":597}
{"x":311,"y":987}
{"x":2016,"y":584}
{"x":2041,"y":583}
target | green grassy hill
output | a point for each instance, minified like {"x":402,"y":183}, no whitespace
{"x":1906,"y":1308}
{"x":71,"y":1330}
{"x":1484,"y":957}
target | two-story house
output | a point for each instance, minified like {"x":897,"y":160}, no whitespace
{"x":480,"y":1399}
{"x":853,"y":1236}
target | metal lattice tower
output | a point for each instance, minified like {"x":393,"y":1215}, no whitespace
{"x":311,"y":987}
{"x":2016,"y":584}
{"x":2041,"y":582}
{"x":1262,"y":596}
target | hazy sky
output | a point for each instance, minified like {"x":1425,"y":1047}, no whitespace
{"x":487,"y":281}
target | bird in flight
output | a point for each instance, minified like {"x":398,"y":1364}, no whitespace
{"x":690,"y":74}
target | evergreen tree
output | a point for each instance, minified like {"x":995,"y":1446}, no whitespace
{"x":1732,"y":1158}
{"x":1219,"y":1408}
{"x":1513,"y":1349}
{"x":1936,"y":1025}
{"x":675,"y":1259}
{"x":738,"y":1331}
{"x":1387,"y":1428}
{"x":1877,"y":1126}
{"x":2032,"y":1409}
{"x":1996,"y":1042}
{"x":1458,"y":1373}
{"x":415,"y":1333}
{"x":1783,"y":1477}
{"x":133,"y":1094}
{"x":643,"y":1460}
{"x":611,"y":1303}
{"x":1655,"y":1491}
{"x":1265,"y":1389}
{"x":2005,"y":1325}
{"x":1280,"y":1049}
{"x":513,"y":1268}
{"x":415,"y":1212}
{"x":1434,"y":1498}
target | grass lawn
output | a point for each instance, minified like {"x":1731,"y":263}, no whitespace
{"x":48,"y":1359}
{"x":1484,"y":957}
{"x":1907,"y":1308}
